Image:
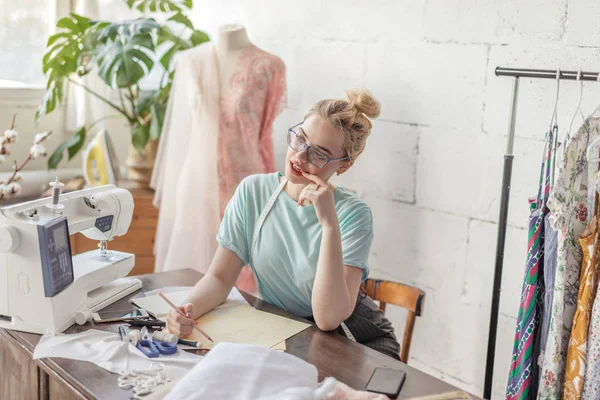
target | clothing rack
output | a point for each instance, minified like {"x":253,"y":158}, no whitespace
{"x":515,"y":73}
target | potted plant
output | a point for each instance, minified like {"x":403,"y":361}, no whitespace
{"x":122,"y":54}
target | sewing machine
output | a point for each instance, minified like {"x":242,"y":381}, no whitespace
{"x":42,"y":286}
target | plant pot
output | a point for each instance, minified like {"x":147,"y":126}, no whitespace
{"x":141,"y":165}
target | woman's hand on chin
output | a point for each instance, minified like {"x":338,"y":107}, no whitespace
{"x":320,"y":194}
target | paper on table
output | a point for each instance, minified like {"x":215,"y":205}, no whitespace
{"x":280,"y":346}
{"x":160,"y":309}
{"x":247,"y":325}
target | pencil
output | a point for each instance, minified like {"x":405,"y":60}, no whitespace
{"x":180,"y":313}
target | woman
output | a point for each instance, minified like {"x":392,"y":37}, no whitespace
{"x":308,"y":246}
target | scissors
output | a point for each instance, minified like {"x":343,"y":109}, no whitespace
{"x":154,"y":348}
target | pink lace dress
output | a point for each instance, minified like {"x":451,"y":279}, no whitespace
{"x":257,"y":94}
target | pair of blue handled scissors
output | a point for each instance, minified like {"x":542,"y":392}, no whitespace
{"x":154,"y":348}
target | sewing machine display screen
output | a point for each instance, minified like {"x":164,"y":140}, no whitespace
{"x":55,"y":252}
{"x":60,"y":237}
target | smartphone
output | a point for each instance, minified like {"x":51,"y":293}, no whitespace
{"x":116,"y":316}
{"x":386,"y":381}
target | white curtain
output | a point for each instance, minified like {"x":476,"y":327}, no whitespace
{"x":81,"y":107}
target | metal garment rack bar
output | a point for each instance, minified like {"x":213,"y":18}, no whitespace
{"x":515,"y":73}
{"x":545,"y":74}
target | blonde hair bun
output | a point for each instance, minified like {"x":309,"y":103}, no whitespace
{"x":364,"y":102}
{"x":352,"y":117}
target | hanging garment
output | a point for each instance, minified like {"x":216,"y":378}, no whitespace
{"x":550,"y":258}
{"x":545,"y":283}
{"x":210,"y":142}
{"x":591,"y":381}
{"x":520,"y":374}
{"x":569,"y":206}
{"x":575,"y":364}
{"x":181,"y":189}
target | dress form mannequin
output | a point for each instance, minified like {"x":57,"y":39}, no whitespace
{"x":230,"y":42}
{"x":217,"y":131}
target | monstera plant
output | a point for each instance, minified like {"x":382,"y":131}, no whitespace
{"x":122,"y":54}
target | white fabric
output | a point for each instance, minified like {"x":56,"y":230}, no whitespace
{"x":108,"y":351}
{"x":330,"y":389}
{"x":185,"y":180}
{"x":235,"y":371}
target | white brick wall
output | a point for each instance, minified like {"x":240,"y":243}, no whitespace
{"x":433,"y":167}
{"x":582,"y":28}
{"x":387,"y":167}
{"x":428,"y":84}
{"x":537,"y":21}
{"x":461,"y":21}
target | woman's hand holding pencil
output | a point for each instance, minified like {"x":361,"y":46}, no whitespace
{"x":180,"y":319}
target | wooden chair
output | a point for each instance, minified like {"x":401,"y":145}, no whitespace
{"x":400,"y":295}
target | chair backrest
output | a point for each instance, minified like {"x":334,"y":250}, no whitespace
{"x":404,"y":296}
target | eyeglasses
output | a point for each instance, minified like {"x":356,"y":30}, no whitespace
{"x":314,"y":156}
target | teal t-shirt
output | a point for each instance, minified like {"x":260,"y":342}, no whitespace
{"x":285,"y":259}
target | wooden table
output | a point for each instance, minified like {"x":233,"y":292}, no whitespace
{"x":57,"y":378}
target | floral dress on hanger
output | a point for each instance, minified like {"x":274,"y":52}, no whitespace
{"x":569,"y":205}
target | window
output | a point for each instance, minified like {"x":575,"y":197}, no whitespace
{"x":24,"y":28}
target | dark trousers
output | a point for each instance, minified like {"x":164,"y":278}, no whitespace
{"x":371,"y":328}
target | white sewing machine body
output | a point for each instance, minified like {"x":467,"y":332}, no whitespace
{"x":42,"y":286}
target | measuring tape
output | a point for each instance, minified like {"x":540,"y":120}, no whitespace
{"x":347,"y":332}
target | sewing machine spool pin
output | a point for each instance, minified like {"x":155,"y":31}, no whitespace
{"x":56,"y":188}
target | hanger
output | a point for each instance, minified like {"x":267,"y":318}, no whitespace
{"x":596,"y":113}
{"x":554,"y":129}
{"x":578,"y":106}
{"x":554,"y":120}
{"x":593,"y":149}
